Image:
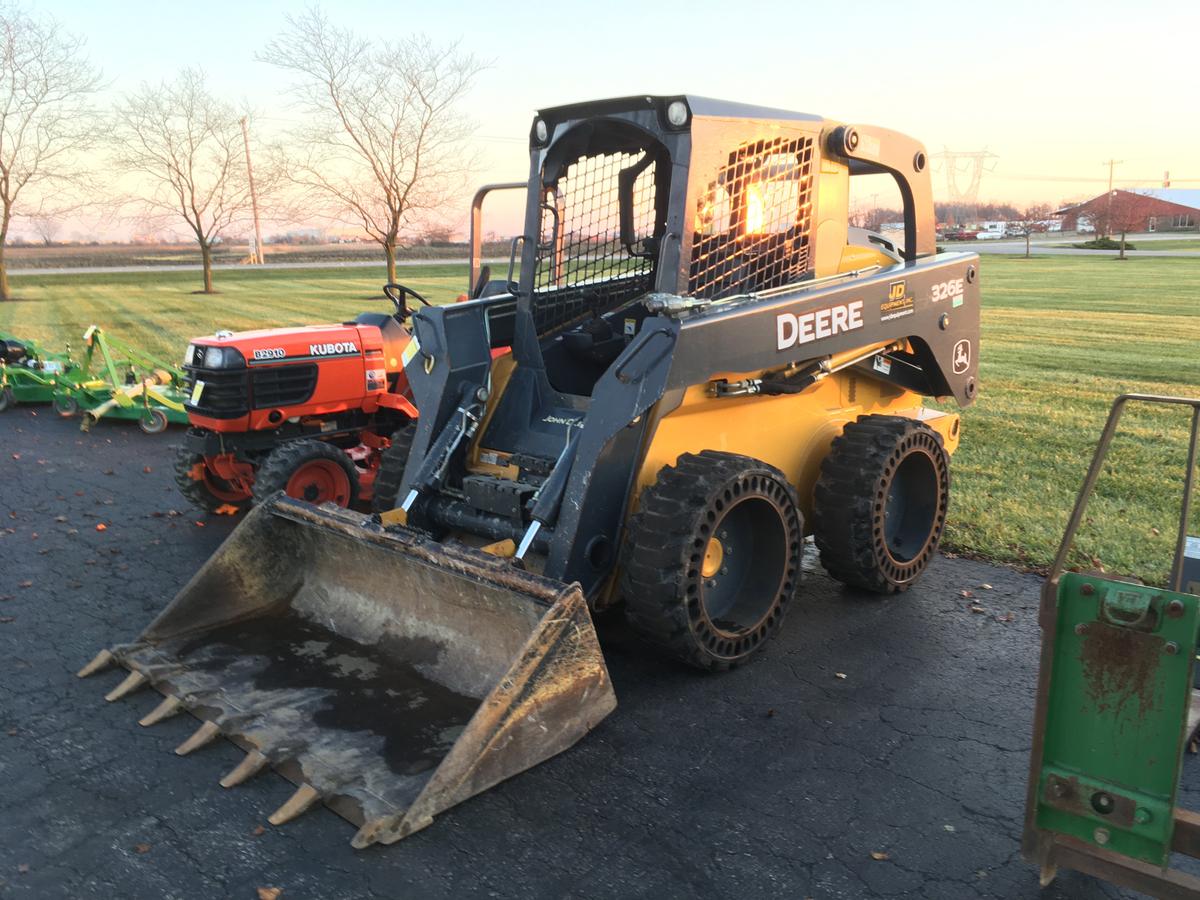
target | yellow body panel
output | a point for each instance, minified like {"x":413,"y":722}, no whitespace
{"x":791,"y":432}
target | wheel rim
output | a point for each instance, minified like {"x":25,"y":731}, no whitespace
{"x":746,"y":562}
{"x":910,"y":511}
{"x":320,"y":481}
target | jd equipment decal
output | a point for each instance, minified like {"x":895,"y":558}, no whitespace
{"x":803,"y":328}
{"x":898,"y":304}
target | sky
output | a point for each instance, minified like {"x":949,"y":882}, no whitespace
{"x":1052,"y":88}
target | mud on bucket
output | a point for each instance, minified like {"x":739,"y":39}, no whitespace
{"x":389,"y":676}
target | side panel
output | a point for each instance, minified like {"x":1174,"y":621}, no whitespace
{"x":933,"y":303}
{"x":791,"y":432}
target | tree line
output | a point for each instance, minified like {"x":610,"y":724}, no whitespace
{"x":380,"y":141}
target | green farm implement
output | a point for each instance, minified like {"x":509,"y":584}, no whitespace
{"x":1116,"y":708}
{"x":30,"y":374}
{"x":126,"y":383}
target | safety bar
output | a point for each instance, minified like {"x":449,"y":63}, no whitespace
{"x":1089,"y":483}
{"x":477,"y":224}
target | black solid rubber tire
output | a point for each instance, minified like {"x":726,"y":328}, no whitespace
{"x":391,"y":469}
{"x":195,"y":492}
{"x":7,"y":401}
{"x":661,"y":572}
{"x":852,"y":494}
{"x":282,"y":462}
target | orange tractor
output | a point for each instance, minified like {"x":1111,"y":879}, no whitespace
{"x":309,"y":410}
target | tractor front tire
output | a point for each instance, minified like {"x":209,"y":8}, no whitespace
{"x":392,"y":463}
{"x":309,"y":470}
{"x":712,"y":560}
{"x":879,"y":505}
{"x":7,"y":400}
{"x":203,"y":488}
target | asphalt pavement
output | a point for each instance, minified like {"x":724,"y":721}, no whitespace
{"x":878,"y":748}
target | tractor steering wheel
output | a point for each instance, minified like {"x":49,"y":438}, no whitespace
{"x":397,"y":294}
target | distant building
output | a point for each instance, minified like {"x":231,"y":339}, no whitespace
{"x":1158,"y":209}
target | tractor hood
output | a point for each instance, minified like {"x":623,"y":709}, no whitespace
{"x":302,"y":343}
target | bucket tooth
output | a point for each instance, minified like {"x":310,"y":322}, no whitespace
{"x":101,"y":660}
{"x":201,"y":736}
{"x":254,"y":763}
{"x":132,"y":682}
{"x":169,"y":707}
{"x":306,"y":795}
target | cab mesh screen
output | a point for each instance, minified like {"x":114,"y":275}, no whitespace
{"x":752,"y":224}
{"x":583,"y":265}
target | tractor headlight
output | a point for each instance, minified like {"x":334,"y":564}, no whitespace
{"x":189,"y":355}
{"x":223,"y":358}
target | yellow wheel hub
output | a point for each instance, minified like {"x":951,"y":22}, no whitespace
{"x":714,"y":555}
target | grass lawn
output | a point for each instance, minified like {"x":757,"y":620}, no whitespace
{"x":158,"y":312}
{"x":1061,"y":337}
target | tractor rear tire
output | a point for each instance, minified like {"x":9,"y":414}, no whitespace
{"x":712,"y":559}
{"x":206,"y":491}
{"x":309,"y":470}
{"x":7,"y":401}
{"x":392,"y":463}
{"x":879,"y":505}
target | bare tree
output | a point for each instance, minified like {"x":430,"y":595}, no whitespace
{"x":382,"y":137}
{"x":47,"y":226}
{"x":1032,"y":220}
{"x":46,"y":83}
{"x":1126,"y":212}
{"x":187,"y":147}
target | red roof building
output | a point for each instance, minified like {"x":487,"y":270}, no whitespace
{"x":1133,"y":212}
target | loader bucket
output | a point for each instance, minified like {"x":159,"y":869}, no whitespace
{"x":388,"y":676}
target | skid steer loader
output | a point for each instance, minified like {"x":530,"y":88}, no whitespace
{"x":707,"y":366}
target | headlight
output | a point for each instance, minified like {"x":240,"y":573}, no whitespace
{"x":189,"y":355}
{"x":221,"y":358}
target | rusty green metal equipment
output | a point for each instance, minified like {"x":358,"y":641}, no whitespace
{"x":1115,"y":710}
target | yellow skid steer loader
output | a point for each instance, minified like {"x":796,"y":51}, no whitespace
{"x":707,"y":366}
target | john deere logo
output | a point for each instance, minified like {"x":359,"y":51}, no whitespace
{"x":896,"y":290}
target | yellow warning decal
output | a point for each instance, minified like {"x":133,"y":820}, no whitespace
{"x":410,"y":351}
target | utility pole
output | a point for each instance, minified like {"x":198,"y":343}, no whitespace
{"x":1111,"y":165}
{"x":258,"y":244}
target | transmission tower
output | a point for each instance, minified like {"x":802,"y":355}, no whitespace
{"x":972,"y":164}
